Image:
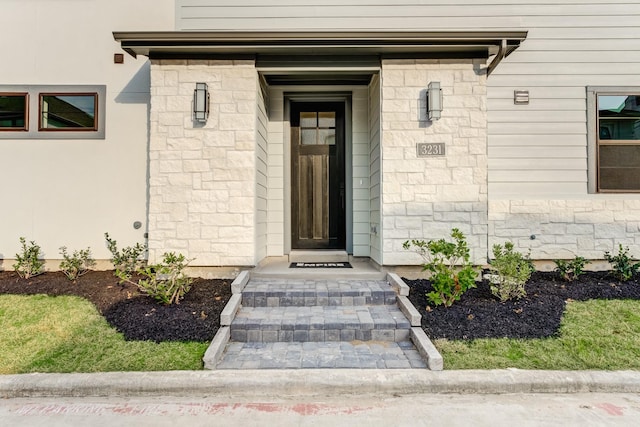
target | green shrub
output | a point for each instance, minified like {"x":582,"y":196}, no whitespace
{"x":511,"y":271}
{"x":622,"y":264}
{"x":166,"y":281}
{"x":76,"y":264}
{"x":448,"y":262}
{"x":570,"y":270}
{"x":28,"y":261}
{"x":126,"y":261}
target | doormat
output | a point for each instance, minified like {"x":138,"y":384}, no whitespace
{"x":320,"y":265}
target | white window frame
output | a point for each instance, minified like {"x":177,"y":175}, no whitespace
{"x":34,"y":93}
{"x":592,"y":133}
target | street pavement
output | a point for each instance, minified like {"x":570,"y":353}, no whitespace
{"x":545,"y":409}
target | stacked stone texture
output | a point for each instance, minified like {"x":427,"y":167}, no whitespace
{"x":425,"y":197}
{"x":566,"y":228}
{"x":202,"y":183}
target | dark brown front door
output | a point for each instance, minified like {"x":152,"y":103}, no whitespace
{"x":317,"y":175}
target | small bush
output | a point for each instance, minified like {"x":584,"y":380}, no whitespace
{"x":451,"y":271}
{"x":126,"y":261}
{"x":28,"y":261}
{"x":622,"y":264}
{"x":512,"y":270}
{"x":76,"y":264}
{"x":570,"y":270}
{"x":166,"y":281}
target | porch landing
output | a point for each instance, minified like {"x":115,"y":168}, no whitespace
{"x":361,"y":268}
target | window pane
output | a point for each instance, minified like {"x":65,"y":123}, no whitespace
{"x":308,"y":120}
{"x":327,"y":119}
{"x":621,"y":129}
{"x":68,"y":111}
{"x":619,"y":105}
{"x":13,"y":112}
{"x":619,"y":167}
{"x":308,"y":137}
{"x":327,"y":136}
{"x":619,"y":117}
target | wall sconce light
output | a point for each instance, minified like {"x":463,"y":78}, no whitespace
{"x":201,"y":103}
{"x":520,"y":97}
{"x":434,"y":101}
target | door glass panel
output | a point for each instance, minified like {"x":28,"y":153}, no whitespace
{"x":327,"y":119}
{"x":308,"y":120}
{"x":308,"y":137}
{"x":327,"y":136}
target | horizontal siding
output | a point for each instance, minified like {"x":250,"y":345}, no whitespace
{"x":571,"y":44}
{"x":374,"y":169}
{"x":261,"y":174}
{"x":404,"y":14}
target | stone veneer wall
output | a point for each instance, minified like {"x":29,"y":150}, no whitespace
{"x":566,"y":228}
{"x":423,"y":198}
{"x":202,"y":185}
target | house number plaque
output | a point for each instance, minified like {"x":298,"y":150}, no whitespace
{"x":430,"y":149}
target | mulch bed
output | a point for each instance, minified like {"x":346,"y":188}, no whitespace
{"x":197,"y":318}
{"x":479,"y":314}
{"x":137,"y":316}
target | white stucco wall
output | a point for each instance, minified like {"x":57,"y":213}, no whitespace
{"x":69,"y":192}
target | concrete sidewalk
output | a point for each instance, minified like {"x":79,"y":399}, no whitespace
{"x":316,"y":383}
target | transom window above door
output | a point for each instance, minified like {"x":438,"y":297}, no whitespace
{"x":318,"y":128}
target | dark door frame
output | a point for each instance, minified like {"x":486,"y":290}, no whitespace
{"x":330,"y":219}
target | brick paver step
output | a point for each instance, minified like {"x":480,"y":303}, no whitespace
{"x":261,"y":292}
{"x":313,"y":355}
{"x":320,"y":323}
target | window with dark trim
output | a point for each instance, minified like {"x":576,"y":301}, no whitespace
{"x":52,"y":111}
{"x":14,"y":111}
{"x":68,"y":112}
{"x":618,"y":141}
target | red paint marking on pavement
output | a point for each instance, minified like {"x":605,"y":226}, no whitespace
{"x":611,"y":409}
{"x":304,"y":409}
{"x":128,"y":409}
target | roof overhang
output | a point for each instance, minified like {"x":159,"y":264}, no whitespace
{"x":426,"y":44}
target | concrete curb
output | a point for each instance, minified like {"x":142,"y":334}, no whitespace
{"x":316,"y":382}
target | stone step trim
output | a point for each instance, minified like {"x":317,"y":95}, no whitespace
{"x":315,"y":324}
{"x":240,"y":282}
{"x":230,"y":310}
{"x":427,"y":349}
{"x":215,"y":351}
{"x":415,"y":318}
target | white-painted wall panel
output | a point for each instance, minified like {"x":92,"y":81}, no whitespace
{"x":69,"y":192}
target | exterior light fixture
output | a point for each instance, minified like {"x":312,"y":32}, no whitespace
{"x":434,"y":101}
{"x":201,"y":103}
{"x":520,"y":97}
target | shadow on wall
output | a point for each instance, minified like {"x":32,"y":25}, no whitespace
{"x":139,"y":83}
{"x":423,"y":115}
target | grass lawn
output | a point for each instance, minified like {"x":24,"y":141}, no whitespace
{"x":67,"y":334}
{"x":595,"y":334}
